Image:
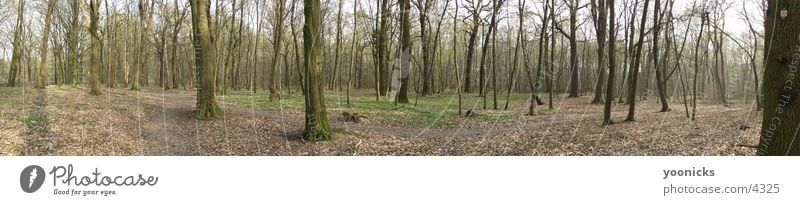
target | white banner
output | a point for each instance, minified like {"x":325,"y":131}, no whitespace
{"x":399,"y":180}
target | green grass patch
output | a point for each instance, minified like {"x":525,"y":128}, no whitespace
{"x":8,"y":101}
{"x":8,"y":91}
{"x":37,"y":122}
{"x":644,"y":146}
{"x":435,"y":110}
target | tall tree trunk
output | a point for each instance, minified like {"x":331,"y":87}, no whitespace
{"x":424,"y":7}
{"x":436,"y":56}
{"x":16,"y":55}
{"x":601,"y":25}
{"x":754,"y":68}
{"x":542,"y":55}
{"x":612,"y":47}
{"x":181,"y":14}
{"x":494,"y":72}
{"x":473,"y":36}
{"x":205,"y":58}
{"x":316,"y":126}
{"x":704,"y":18}
{"x":721,"y":76}
{"x":335,"y":77}
{"x":111,"y":44}
{"x":782,"y":56}
{"x":519,"y":45}
{"x":297,"y":56}
{"x":630,"y":33}
{"x":550,"y":76}
{"x":496,"y":4}
{"x":574,"y":84}
{"x":274,"y":93}
{"x":40,"y":81}
{"x":455,"y":60}
{"x":634,"y":71}
{"x":94,"y":17}
{"x":383,"y":49}
{"x":255,"y":67}
{"x":661,"y":83}
{"x":353,"y":50}
{"x":405,"y":53}
{"x":141,"y":61}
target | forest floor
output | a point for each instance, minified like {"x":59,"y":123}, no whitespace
{"x":67,"y":121}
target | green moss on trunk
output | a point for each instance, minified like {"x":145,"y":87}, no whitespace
{"x":316,"y":128}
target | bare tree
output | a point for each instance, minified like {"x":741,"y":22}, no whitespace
{"x":474,"y":8}
{"x":519,"y":45}
{"x":16,"y":56}
{"x":43,"y":49}
{"x":704,"y":19}
{"x":277,"y":36}
{"x":599,"y":17}
{"x":145,"y":15}
{"x":612,"y":47}
{"x":455,"y":59}
{"x":633,"y":76}
{"x":496,"y":5}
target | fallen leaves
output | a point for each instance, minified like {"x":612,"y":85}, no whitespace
{"x":153,"y":122}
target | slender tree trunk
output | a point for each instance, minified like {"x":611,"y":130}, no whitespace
{"x":297,"y":56}
{"x":494,"y":70}
{"x":612,"y":44}
{"x":704,"y":18}
{"x":482,"y":69}
{"x":383,"y":49}
{"x":574,"y":84}
{"x":335,"y":77}
{"x":473,"y":36}
{"x":141,"y":60}
{"x":542,"y":55}
{"x":94,"y":6}
{"x":634,"y":71}
{"x":405,"y":53}
{"x":519,"y":45}
{"x":16,"y":56}
{"x":423,"y":6}
{"x":274,"y":94}
{"x":550,"y":76}
{"x":660,"y":82}
{"x":40,"y":81}
{"x":601,"y":27}
{"x":630,"y":33}
{"x":353,"y":50}
{"x":455,"y":60}
{"x":181,"y":14}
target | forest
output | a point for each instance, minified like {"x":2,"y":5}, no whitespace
{"x":399,"y":77}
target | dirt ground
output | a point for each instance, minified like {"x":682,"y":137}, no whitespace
{"x":68,"y":121}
